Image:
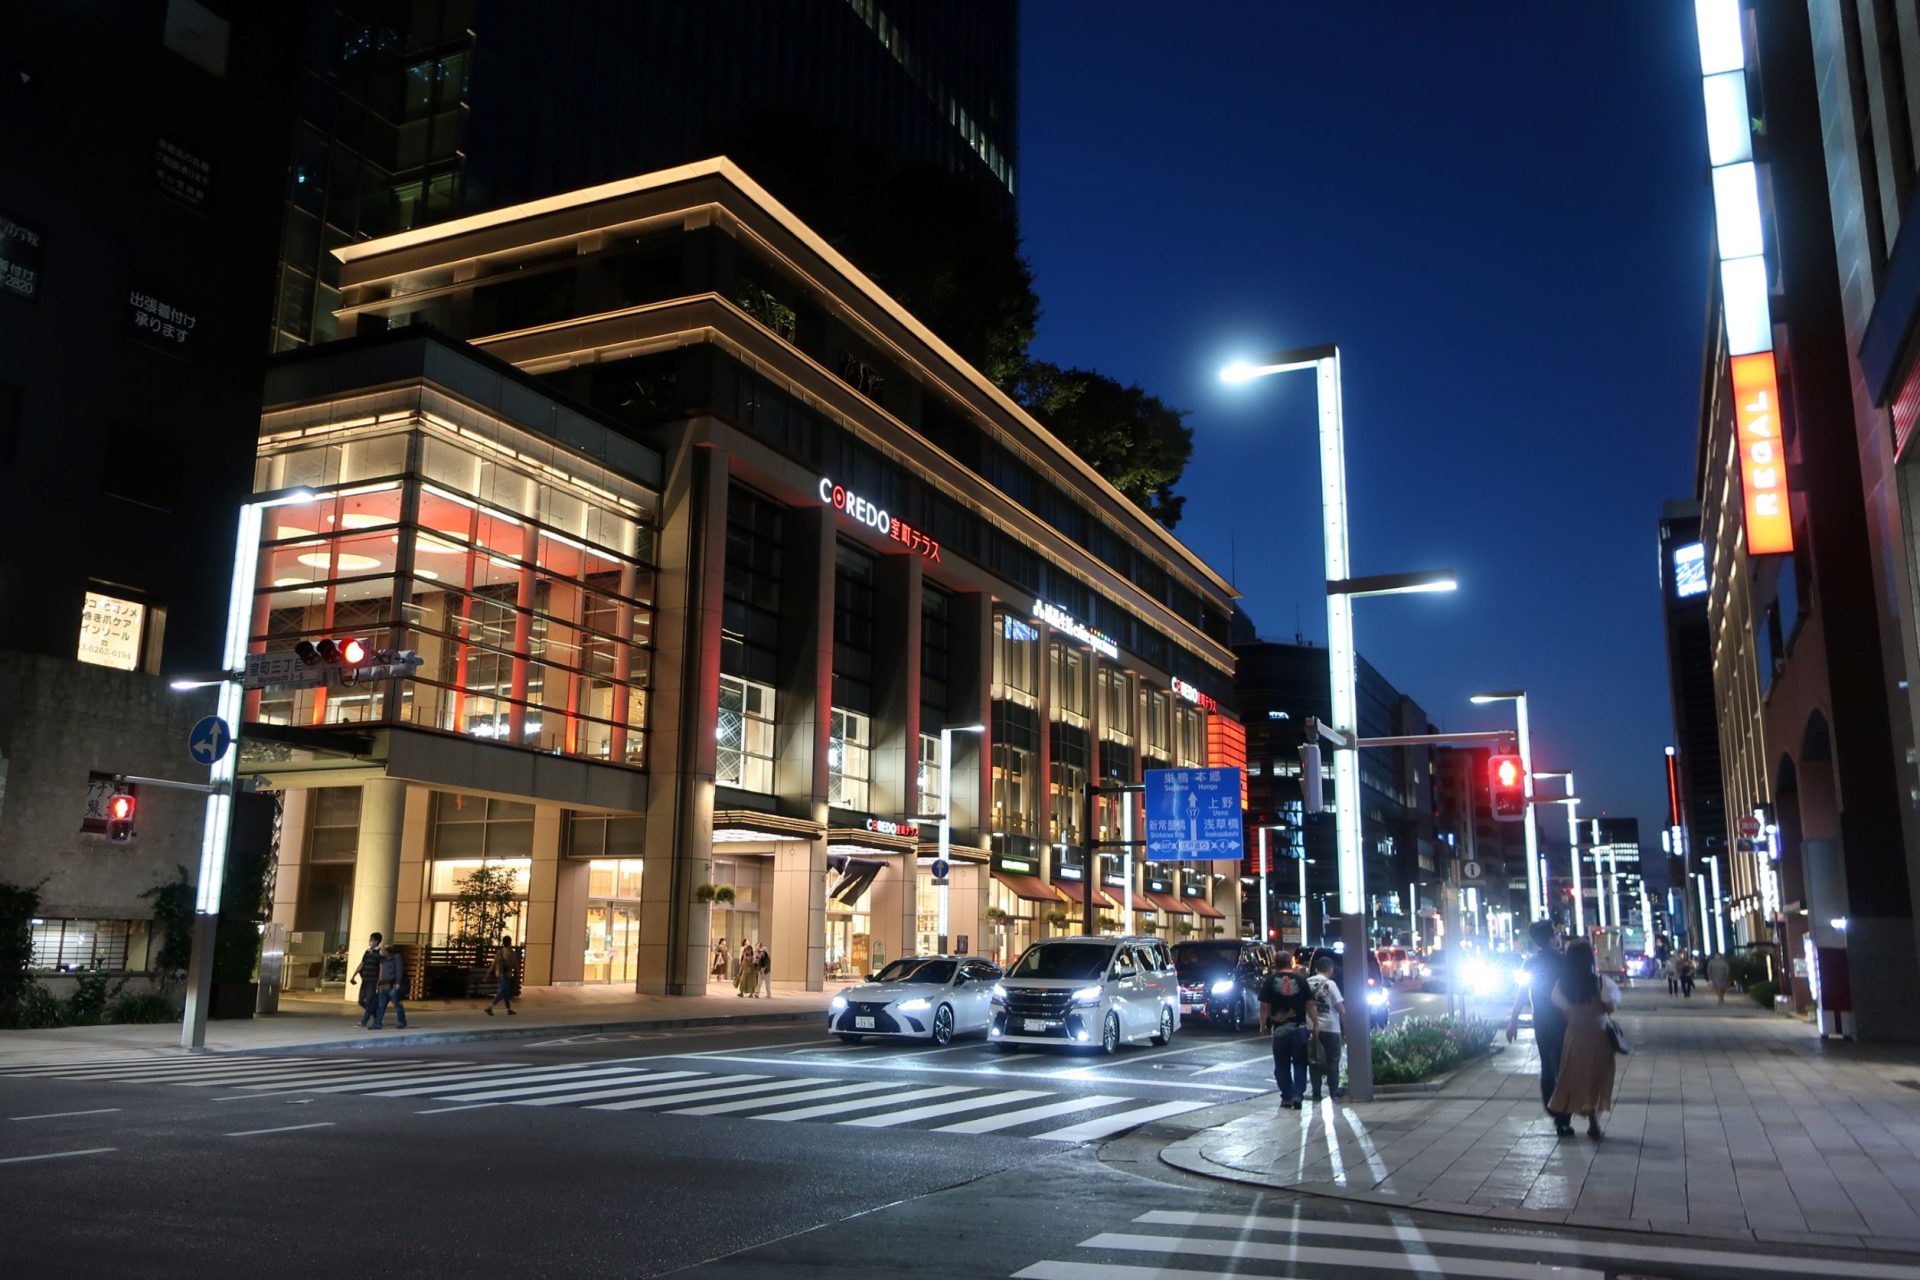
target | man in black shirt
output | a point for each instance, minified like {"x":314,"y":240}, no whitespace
{"x":368,"y":976}
{"x":1287,"y":1009}
{"x":1549,"y":1024}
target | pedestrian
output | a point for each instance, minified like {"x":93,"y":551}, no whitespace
{"x":1672,"y":972}
{"x":721,"y":961}
{"x":1585,"y":999}
{"x":1288,"y":1012}
{"x":765,"y":964}
{"x":1549,"y":1023}
{"x":367,"y":975}
{"x":1331,"y":1006}
{"x":502,"y":970}
{"x":746,"y":971}
{"x":392,"y":985}
{"x":1686,"y":976}
{"x":1720,"y":975}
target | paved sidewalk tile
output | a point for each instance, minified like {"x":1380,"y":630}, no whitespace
{"x":1730,"y":1123}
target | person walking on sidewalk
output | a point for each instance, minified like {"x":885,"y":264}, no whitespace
{"x":502,"y":969}
{"x":1686,"y":976}
{"x":367,"y":975}
{"x":1287,"y":1011}
{"x":746,"y":972}
{"x":764,"y":962}
{"x":1720,"y":974}
{"x":721,"y":960}
{"x":1672,"y":973}
{"x":1549,"y":1024}
{"x":1586,"y":999}
{"x":392,"y":985}
{"x":1331,"y":1004}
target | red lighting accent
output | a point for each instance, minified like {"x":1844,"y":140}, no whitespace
{"x":353,"y":652}
{"x":120,"y":807}
{"x":1763,"y":463}
{"x":1673,"y":790}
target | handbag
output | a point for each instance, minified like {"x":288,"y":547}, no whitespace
{"x":1617,"y":1039}
{"x":1316,"y":1051}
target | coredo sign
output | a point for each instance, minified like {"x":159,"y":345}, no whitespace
{"x":1763,"y":465}
{"x":887,"y":827}
{"x":858,"y":509}
{"x":1191,"y":693}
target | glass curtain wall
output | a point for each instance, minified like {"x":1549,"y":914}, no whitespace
{"x":1015,"y":731}
{"x":749,"y":641}
{"x":850,"y":734}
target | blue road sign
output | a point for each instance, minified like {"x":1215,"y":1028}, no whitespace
{"x":209,"y":740}
{"x":940,"y":868}
{"x":1194,"y":813}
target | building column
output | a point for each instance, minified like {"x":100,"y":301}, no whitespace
{"x":294,"y":832}
{"x":569,"y":921}
{"x":803,"y":709}
{"x":539,"y":928}
{"x":376,"y":867}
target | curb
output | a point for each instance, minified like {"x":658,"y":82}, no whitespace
{"x":425,"y":1038}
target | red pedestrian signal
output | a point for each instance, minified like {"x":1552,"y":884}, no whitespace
{"x":120,"y":809}
{"x":1507,"y":787}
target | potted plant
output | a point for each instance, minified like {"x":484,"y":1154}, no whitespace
{"x":1149,"y":926}
{"x":1057,"y":918}
{"x":996,"y":917}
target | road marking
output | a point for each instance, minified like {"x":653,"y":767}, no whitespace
{"x":866,"y":1104}
{"x":170,"y":1067}
{"x":990,"y":1124}
{"x":1114,"y":1271}
{"x":58,"y":1115}
{"x":467,"y":1074}
{"x":620,"y":1076}
{"x":1113,"y":1124}
{"x":1135,"y":1058}
{"x":907,"y":1064}
{"x":701,"y":1094}
{"x":628,"y":1091}
{"x":339,"y":1073}
{"x":1253,"y":1250}
{"x":1533,"y":1244}
{"x":58,"y":1155}
{"x":440,"y":1111}
{"x":1254,"y":1060}
{"x":888,"y":1119}
{"x":511,"y":1076}
{"x":836,"y":1090}
{"x":286,"y":1128}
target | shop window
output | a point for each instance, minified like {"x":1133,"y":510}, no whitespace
{"x":933,"y":783}
{"x":744,"y":730}
{"x":333,"y":832}
{"x":615,"y":878}
{"x":84,"y":946}
{"x":849,"y":760}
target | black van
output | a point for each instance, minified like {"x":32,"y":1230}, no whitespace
{"x":1220,"y":980}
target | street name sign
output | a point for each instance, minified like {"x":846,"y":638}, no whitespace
{"x":1194,"y":814}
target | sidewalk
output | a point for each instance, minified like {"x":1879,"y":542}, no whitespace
{"x":311,"y":1022}
{"x":1730,"y":1122}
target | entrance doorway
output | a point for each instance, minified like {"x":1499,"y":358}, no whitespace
{"x":613,"y":942}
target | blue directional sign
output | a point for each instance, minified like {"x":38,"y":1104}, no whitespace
{"x":209,"y":740}
{"x":940,"y":868}
{"x":1194,"y":814}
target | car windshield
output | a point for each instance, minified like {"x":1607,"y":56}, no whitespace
{"x":1075,"y":960}
{"x":1198,"y":958}
{"x":938,"y":972}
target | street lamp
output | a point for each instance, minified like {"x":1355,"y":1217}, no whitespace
{"x":1572,"y":802}
{"x":946,"y":811}
{"x":1536,"y":900}
{"x":1341,"y":588}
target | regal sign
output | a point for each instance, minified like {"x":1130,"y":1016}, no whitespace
{"x":1763,"y":463}
{"x":1060,"y":620}
{"x":857,"y":508}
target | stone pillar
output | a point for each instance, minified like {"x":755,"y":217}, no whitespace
{"x":412,"y":906}
{"x":680,"y":749}
{"x":538,"y":927}
{"x":967,"y":908}
{"x":796,"y":928}
{"x":376,"y":867}
{"x":569,"y":921}
{"x":804,"y":701}
{"x":294,"y":830}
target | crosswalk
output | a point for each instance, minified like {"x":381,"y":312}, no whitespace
{"x":1170,"y":1245}
{"x":623,"y":1084}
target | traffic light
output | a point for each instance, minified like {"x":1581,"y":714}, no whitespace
{"x":377,"y":664}
{"x":120,"y":808}
{"x":1312,"y":790}
{"x":1507,"y":785}
{"x":309,"y":655}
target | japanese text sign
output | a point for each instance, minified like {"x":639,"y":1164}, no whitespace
{"x":1194,"y":814}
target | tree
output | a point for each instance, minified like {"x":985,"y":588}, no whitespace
{"x":173,"y":919}
{"x":486,"y":901}
{"x":1137,"y":441}
{"x":18,"y":906}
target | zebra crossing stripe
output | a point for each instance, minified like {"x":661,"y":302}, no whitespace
{"x":255,"y":1071}
{"x":1111,"y":1271}
{"x":163,"y":1067}
{"x":338,"y":1073}
{"x":1104,"y":1125}
{"x":867,"y":1104}
{"x":1007,"y":1120}
{"x":619,"y":1075}
{"x":627,"y":1091}
{"x":750,"y":1104}
{"x":460,"y":1076}
{"x":1426,"y":1264}
{"x":887,"y":1120}
{"x":702,"y":1094}
{"x":583,"y":1076}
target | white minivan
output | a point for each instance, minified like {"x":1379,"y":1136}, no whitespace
{"x":1093,"y":992}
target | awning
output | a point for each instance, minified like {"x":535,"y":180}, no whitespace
{"x":1076,"y":894}
{"x":1027,"y":888}
{"x":1167,"y":902}
{"x":1200,"y":906}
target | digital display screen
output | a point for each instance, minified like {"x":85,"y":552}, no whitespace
{"x":1690,"y":570}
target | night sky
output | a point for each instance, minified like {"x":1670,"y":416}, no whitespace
{"x":1500,"y":214}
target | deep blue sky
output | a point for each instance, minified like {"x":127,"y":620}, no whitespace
{"x":1500,"y":214}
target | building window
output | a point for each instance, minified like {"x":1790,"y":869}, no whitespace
{"x":744,"y":730}
{"x":1070,"y":698}
{"x":1016,"y":664}
{"x":933,"y":783}
{"x":333,"y":833}
{"x":1016,"y":744}
{"x":83,"y":946}
{"x":1190,"y":737}
{"x":1157,"y":724}
{"x":849,"y":760}
{"x":604,"y":835}
{"x":1116,"y":706}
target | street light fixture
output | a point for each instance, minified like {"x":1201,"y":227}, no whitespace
{"x":1342,"y":587}
{"x":946,"y":811}
{"x":1572,"y":802}
{"x":1536,"y":891}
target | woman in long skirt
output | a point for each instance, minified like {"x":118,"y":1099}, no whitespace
{"x":720,"y":959}
{"x":1585,"y":1084}
{"x":747,"y":975}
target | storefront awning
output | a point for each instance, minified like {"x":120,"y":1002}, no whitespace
{"x":1200,"y":906}
{"x":1167,"y":902}
{"x":1028,"y":888}
{"x":1074,"y":893}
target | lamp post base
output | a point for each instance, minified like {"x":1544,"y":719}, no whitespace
{"x":193,"y":1023}
{"x":1359,"y":1025}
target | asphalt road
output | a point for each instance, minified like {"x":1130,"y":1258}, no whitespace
{"x":741,"y":1152}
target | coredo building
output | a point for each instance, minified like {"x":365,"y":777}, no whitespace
{"x":703,"y":541}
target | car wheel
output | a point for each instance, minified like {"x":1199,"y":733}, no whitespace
{"x":1166,"y":1026}
{"x":943,"y":1024}
{"x":1110,"y":1034}
{"x":851,"y":1039}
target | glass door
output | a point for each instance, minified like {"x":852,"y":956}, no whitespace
{"x":599,"y":943}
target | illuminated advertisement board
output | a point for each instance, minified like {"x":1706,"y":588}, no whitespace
{"x":1191,"y":693}
{"x":877,"y":519}
{"x":1060,"y":620}
{"x":1690,"y":570}
{"x":1763,"y":464}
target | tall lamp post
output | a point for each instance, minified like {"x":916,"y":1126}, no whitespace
{"x":1572,"y":802}
{"x":1536,"y":891}
{"x":1324,"y":361}
{"x":946,"y":809}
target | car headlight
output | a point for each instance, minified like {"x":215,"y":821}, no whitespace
{"x":1377,"y":999}
{"x":1223,"y":987}
{"x":999,"y":993}
{"x":915,"y":1005}
{"x":1089,"y":995}
{"x":837,"y":1003}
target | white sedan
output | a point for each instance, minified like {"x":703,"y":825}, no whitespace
{"x":919,"y":998}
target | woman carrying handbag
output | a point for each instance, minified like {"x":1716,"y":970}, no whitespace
{"x":1585,"y":1083}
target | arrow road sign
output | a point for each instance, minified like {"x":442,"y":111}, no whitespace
{"x":940,"y":868}
{"x":209,"y":740}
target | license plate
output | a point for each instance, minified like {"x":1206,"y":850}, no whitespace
{"x":863,"y":1024}
{"x":1036,"y":1024}
{"x":1188,"y":1008}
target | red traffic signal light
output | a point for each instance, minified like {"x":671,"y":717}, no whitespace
{"x":353,"y":652}
{"x":1507,"y":787}
{"x":120,"y":810}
